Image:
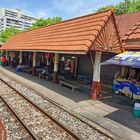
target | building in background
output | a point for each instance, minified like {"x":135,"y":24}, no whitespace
{"x":15,"y":18}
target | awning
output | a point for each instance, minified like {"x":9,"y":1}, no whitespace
{"x":128,"y":58}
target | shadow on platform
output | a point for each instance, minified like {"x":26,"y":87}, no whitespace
{"x":65,"y":91}
{"x":124,"y":113}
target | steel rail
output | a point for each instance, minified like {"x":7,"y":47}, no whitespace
{"x":65,"y":110}
{"x":64,"y":127}
{"x":18,"y":118}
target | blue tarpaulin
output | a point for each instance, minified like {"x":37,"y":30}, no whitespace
{"x":128,"y":58}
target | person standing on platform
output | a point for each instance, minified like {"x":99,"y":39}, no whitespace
{"x":67,"y":69}
{"x":9,"y":60}
{"x":3,"y":60}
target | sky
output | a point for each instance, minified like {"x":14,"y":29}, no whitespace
{"x":66,"y":9}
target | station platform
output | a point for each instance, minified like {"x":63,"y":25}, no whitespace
{"x":114,"y":112}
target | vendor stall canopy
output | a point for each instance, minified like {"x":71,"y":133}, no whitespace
{"x":128,"y":58}
{"x":96,"y":31}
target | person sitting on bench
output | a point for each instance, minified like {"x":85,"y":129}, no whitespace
{"x":43,"y":74}
{"x":19,"y":68}
{"x":67,"y":69}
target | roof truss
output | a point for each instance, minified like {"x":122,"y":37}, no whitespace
{"x":108,"y":38}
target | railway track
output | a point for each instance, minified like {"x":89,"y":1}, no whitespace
{"x":40,"y":125}
{"x":66,"y":119}
{"x":15,"y":128}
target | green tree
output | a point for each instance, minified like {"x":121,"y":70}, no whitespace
{"x":7,"y":33}
{"x":44,"y":22}
{"x":124,"y":7}
{"x":110,"y":7}
{"x":128,"y":6}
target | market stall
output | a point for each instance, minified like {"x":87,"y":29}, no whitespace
{"x":127,"y":80}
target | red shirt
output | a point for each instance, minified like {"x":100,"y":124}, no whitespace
{"x":3,"y":59}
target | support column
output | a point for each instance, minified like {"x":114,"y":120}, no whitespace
{"x":11,"y":55}
{"x":34,"y":63}
{"x":6,"y":56}
{"x":76,"y":64}
{"x":20,"y":57}
{"x":122,"y":71}
{"x":47,"y":55}
{"x":56,"y":61}
{"x":96,"y":76}
{"x":47,"y":62}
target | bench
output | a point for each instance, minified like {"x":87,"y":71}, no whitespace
{"x":38,"y":71}
{"x":28,"y":70}
{"x":66,"y":83}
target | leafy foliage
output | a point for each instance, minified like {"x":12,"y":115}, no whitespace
{"x":7,"y":33}
{"x":128,"y":6}
{"x":48,"y":21}
{"x":110,"y":7}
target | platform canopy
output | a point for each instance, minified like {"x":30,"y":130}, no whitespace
{"x":97,"y":31}
{"x":128,"y":58}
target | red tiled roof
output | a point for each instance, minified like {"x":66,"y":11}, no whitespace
{"x":132,"y":38}
{"x":126,"y":21}
{"x":75,"y":35}
{"x":133,"y":34}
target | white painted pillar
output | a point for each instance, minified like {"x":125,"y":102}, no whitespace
{"x":20,"y":57}
{"x":34,"y":59}
{"x":34,"y":63}
{"x":11,"y":55}
{"x":56,"y":61}
{"x":96,"y":75}
{"x":96,"y":72}
{"x":47,"y":55}
{"x":47,"y":62}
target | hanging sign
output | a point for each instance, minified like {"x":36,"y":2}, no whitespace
{"x":47,"y":55}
